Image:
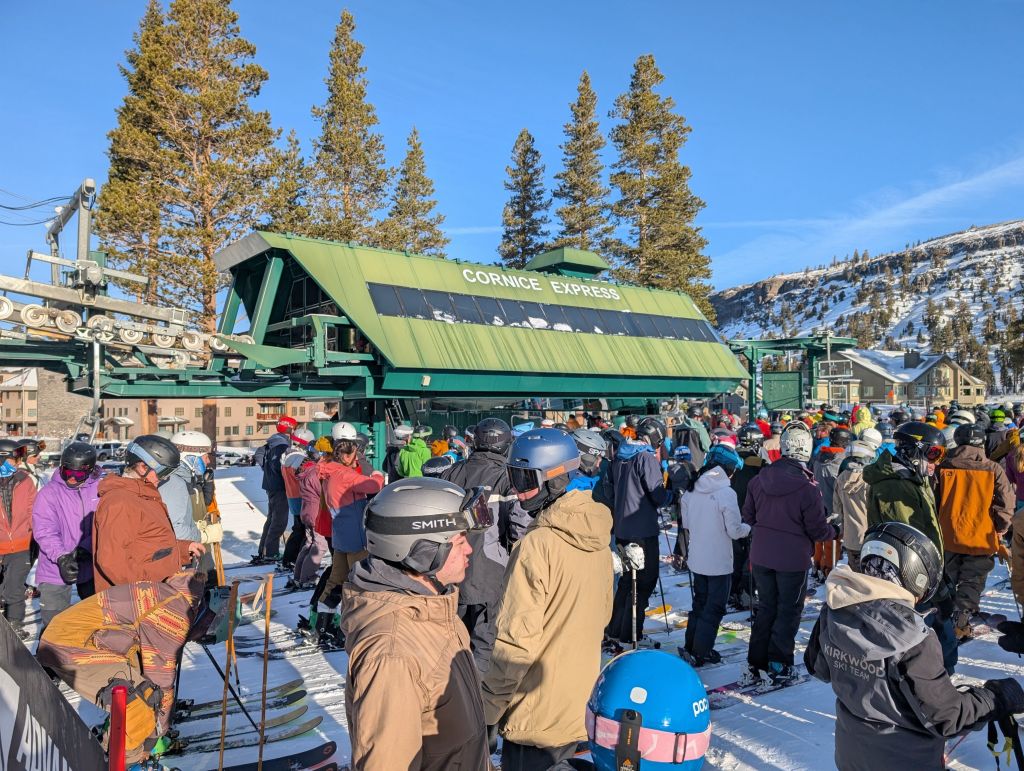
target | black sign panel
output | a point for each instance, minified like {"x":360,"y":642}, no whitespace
{"x":39,"y":730}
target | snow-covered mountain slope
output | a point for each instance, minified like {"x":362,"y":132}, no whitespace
{"x":932,"y":296}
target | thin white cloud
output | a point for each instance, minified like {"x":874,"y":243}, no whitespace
{"x":796,"y":243}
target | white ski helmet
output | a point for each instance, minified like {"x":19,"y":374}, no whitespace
{"x":961,"y":417}
{"x":303,"y":437}
{"x":796,"y":442}
{"x":192,"y":442}
{"x":872,"y":437}
{"x":343,"y":432}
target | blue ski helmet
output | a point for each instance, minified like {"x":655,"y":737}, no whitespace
{"x":660,"y":697}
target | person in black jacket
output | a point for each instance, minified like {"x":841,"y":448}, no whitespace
{"x":268,"y":457}
{"x":480,"y":592}
{"x":894,"y":699}
{"x":639,"y":486}
{"x":749,"y":442}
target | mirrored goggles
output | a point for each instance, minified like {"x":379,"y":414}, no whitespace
{"x":476,"y":507}
{"x":78,"y":475}
{"x":524,"y":479}
{"x":935,"y":453}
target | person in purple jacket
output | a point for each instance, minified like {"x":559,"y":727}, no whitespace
{"x":62,"y":526}
{"x":785,"y":509}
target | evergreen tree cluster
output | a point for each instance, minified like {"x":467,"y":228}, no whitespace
{"x":194,"y":167}
{"x":648,"y":228}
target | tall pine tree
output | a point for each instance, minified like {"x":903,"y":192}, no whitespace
{"x":584,"y":213}
{"x":411,"y":224}
{"x":349,"y":174}
{"x":287,"y":210}
{"x":128,"y":212}
{"x":524,"y":218}
{"x":655,"y":204}
{"x":190,"y":86}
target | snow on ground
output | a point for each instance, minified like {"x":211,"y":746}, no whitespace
{"x":788,"y":729}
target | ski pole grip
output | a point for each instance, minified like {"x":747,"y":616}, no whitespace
{"x":115,"y":745}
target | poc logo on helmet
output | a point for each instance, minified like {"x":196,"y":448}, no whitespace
{"x":700,"y":706}
{"x":438,"y":523}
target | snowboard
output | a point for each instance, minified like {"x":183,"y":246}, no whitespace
{"x":278,"y":702}
{"x":232,"y":742}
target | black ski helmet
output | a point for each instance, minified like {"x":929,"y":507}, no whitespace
{"x":613,"y":439}
{"x":592,"y":447}
{"x":653,"y":430}
{"x":750,"y":436}
{"x":8,"y":449}
{"x":840,"y":437}
{"x":777,"y":427}
{"x":916,"y":441}
{"x":29,"y":447}
{"x":435,"y":467}
{"x":969,"y":433}
{"x":885,"y":428}
{"x":911,"y":552}
{"x":79,"y":456}
{"x":449,"y":432}
{"x":694,"y":411}
{"x":493,"y":435}
{"x":897,"y":417}
{"x":154,"y":451}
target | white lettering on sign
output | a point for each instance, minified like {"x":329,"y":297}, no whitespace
{"x":491,"y":278}
{"x":37,"y":752}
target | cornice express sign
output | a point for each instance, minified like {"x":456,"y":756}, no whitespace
{"x":531,"y":283}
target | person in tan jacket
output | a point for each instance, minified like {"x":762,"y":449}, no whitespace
{"x":850,"y":501}
{"x":556,"y":599}
{"x":975,"y":500}
{"x":412,"y":695}
{"x":132,"y":536}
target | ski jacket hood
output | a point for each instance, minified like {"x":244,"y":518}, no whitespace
{"x":412,"y":695}
{"x":843,"y":588}
{"x":631,"y":448}
{"x":61,"y":521}
{"x":556,"y":599}
{"x":712,"y":480}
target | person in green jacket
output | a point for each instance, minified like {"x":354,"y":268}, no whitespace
{"x":899,"y":489}
{"x":415,"y":453}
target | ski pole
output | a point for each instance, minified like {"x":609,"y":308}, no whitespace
{"x":232,"y":605}
{"x":230,"y":689}
{"x":266,"y":662}
{"x":632,"y":572}
{"x":664,"y":604}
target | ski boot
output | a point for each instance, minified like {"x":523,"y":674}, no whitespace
{"x":611,"y":647}
{"x":307,"y":626}
{"x":751,"y":675}
{"x":782,"y":675}
{"x":261,"y":560}
{"x":962,"y":626}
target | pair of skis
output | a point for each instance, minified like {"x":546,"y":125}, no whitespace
{"x":732,"y":693}
{"x":296,"y":761}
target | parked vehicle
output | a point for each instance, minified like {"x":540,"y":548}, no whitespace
{"x":234,"y":456}
{"x":110,"y":450}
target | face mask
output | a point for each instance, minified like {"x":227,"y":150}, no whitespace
{"x":7,"y":469}
{"x":196,"y":463}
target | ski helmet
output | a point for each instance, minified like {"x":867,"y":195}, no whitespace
{"x":916,"y":441}
{"x":402,"y":432}
{"x":725,"y":456}
{"x":412,"y":522}
{"x":343,"y":432}
{"x":421,"y":431}
{"x":631,"y":421}
{"x":77,"y":463}
{"x":863,"y":449}
{"x":437,"y":465}
{"x":777,"y":427}
{"x":612,"y":440}
{"x":897,"y":417}
{"x":458,"y":448}
{"x":653,"y":430}
{"x":28,"y":448}
{"x":286,"y":424}
{"x":648,"y":711}
{"x":694,"y":412}
{"x":971,"y":434}
{"x":911,"y":552}
{"x":541,"y":460}
{"x":303,"y":438}
{"x":8,"y":449}
{"x":155,"y":452}
{"x":796,"y":442}
{"x":997,"y":415}
{"x":492,"y":435}
{"x":449,"y":432}
{"x":192,"y":442}
{"x":885,"y":428}
{"x":592,"y":448}
{"x":871,"y":437}
{"x":762,"y":414}
{"x":840,"y":437}
{"x":749,"y":437}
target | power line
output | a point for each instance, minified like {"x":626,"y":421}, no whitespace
{"x":25,"y":224}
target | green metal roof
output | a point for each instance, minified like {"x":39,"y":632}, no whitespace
{"x":476,"y":356}
{"x":569,"y":261}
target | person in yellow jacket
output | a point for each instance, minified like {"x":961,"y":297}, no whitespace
{"x":556,"y":599}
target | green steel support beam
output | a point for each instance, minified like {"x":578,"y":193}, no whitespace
{"x":265,"y":302}
{"x":230,"y":315}
{"x":380,"y":434}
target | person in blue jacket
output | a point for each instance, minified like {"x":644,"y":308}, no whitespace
{"x":639,"y":491}
{"x":592,"y":449}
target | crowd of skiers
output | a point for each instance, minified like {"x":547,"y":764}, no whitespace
{"x":476,"y":585}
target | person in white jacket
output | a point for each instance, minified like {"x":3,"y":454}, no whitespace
{"x":710,"y":514}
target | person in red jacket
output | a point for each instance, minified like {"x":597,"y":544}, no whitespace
{"x":17,"y":494}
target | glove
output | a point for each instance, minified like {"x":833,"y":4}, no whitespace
{"x":492,"y":739}
{"x":1009,"y":697}
{"x":616,"y":563}
{"x":633,"y":556}
{"x":944,"y":604}
{"x":210,"y":532}
{"x":67,"y":564}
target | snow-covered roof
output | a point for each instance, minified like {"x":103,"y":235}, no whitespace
{"x":889,"y":364}
{"x":22,"y":379}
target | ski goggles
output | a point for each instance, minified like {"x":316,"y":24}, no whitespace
{"x":526,"y":479}
{"x":934,"y":453}
{"x":77,"y":475}
{"x":649,"y":744}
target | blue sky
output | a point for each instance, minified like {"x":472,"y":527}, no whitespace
{"x":818,"y":128}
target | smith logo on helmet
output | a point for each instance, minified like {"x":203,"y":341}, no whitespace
{"x":438,"y":523}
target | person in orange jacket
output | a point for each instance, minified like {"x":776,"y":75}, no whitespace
{"x":17,"y":495}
